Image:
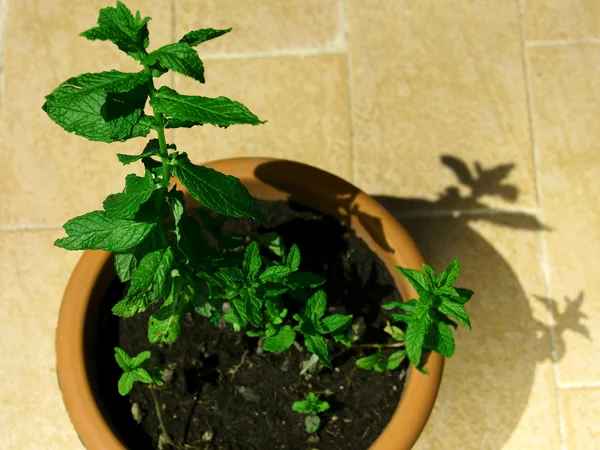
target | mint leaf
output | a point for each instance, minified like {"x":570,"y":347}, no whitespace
{"x":105,"y":106}
{"x":125,"y":264}
{"x":312,"y":423}
{"x":368,"y":362}
{"x":142,"y":375}
{"x":164,"y":324}
{"x":317,"y":345}
{"x":238,"y":314}
{"x":273,"y":242}
{"x":464,"y":295}
{"x":149,"y":283}
{"x":335,"y":322}
{"x":395,"y":359}
{"x":316,"y":305}
{"x":140,"y":359}
{"x":118,"y":25}
{"x":449,"y":275}
{"x":455,"y":310}
{"x":190,"y":110}
{"x":196,"y":37}
{"x":123,"y":359}
{"x":97,"y":231}
{"x":311,"y":405}
{"x":439,"y":338}
{"x":222,"y":193}
{"x":281,"y":341}
{"x":274,"y":274}
{"x":152,"y":149}
{"x":430,"y":273}
{"x":126,"y":204}
{"x":252,"y":260}
{"x":415,"y":337}
{"x":293,"y":258}
{"x":253,"y":306}
{"x":125,"y":384}
{"x":408,"y":306}
{"x":416,"y":278}
{"x":178,"y":57}
{"x":304,"y":280}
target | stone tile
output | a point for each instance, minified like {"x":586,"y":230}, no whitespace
{"x":561,"y":19}
{"x":264,"y":25}
{"x":498,"y":389}
{"x":581,"y":408}
{"x":440,"y":78}
{"x":566,"y":97}
{"x":33,"y":275}
{"x":48,"y":175}
{"x":304,"y":100}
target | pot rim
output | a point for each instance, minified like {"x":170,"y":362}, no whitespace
{"x":269,"y":177}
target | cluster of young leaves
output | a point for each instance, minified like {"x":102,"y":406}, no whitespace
{"x":134,"y":369}
{"x":428,"y":319}
{"x":312,"y":406}
{"x":379,"y":362}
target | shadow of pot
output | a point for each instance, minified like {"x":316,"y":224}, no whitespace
{"x":266,"y":179}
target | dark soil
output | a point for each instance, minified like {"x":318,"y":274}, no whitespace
{"x":224,"y":394}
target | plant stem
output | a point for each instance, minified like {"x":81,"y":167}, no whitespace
{"x":162,"y":141}
{"x":160,"y":419}
{"x":394,"y":345}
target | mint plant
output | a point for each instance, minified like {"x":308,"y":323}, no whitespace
{"x":176,"y":260}
{"x":312,"y":406}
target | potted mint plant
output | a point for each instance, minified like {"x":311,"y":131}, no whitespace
{"x":234,"y":320}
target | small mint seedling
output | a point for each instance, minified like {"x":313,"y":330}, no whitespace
{"x":312,"y":406}
{"x":134,"y":370}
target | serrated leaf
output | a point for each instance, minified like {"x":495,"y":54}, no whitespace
{"x":222,"y":193}
{"x":318,"y":346}
{"x":395,"y":359}
{"x":152,"y":149}
{"x":149,"y":283}
{"x":274,"y":274}
{"x":238,"y":314}
{"x":196,"y":37}
{"x":293,"y":258}
{"x":252,"y":260}
{"x":253,"y":306}
{"x":315,"y":306}
{"x":311,"y":405}
{"x":127,"y":203}
{"x":97,"y":231}
{"x":178,"y":57}
{"x":105,"y":106}
{"x":190,"y":110}
{"x":164,"y":324}
{"x":192,"y":242}
{"x":140,"y":359}
{"x":408,"y":306}
{"x":123,"y":359}
{"x":281,"y":341}
{"x":449,"y":275}
{"x":142,"y":375}
{"x":416,"y":278}
{"x":125,"y":264}
{"x":464,"y":295}
{"x":368,"y":362}
{"x":415,"y":336}
{"x":335,"y":323}
{"x":125,"y":384}
{"x":126,"y":31}
{"x":439,"y":338}
{"x":430,"y":273}
{"x":456,"y":310}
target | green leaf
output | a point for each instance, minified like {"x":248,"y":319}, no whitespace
{"x":316,"y":305}
{"x":368,"y":362}
{"x":152,"y":149}
{"x":464,"y":295}
{"x":304,"y":280}
{"x":123,"y":359}
{"x":395,"y":359}
{"x":293,"y":258}
{"x":416,"y":278}
{"x":105,"y":106}
{"x":395,"y":332}
{"x":439,"y":338}
{"x":312,"y":423}
{"x":238,"y":314}
{"x":196,"y":37}
{"x":164,"y":324}
{"x":335,"y":322}
{"x":274,"y":274}
{"x":222,"y":193}
{"x":192,"y":242}
{"x":318,"y":346}
{"x":128,"y":32}
{"x":178,"y":57}
{"x":142,"y":375}
{"x":127,"y":203}
{"x":252,"y":260}
{"x":253,"y":306}
{"x":449,"y":275}
{"x":430,"y":273}
{"x":273,"y":242}
{"x":149,"y":283}
{"x":190,"y":110}
{"x":311,"y":405}
{"x":455,"y":310}
{"x":415,"y":337}
{"x":281,"y":341}
{"x":125,"y":264}
{"x":95,"y":231}
{"x":140,"y":359}
{"x":126,"y":382}
{"x":408,"y":306}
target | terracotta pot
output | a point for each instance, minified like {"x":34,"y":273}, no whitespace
{"x":271,"y":180}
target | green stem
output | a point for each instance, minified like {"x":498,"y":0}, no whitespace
{"x":162,"y":141}
{"x":394,"y":345}
{"x":160,"y":419}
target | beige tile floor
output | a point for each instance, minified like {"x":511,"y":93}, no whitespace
{"x":475,"y":121}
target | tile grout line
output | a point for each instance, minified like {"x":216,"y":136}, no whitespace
{"x":13,"y":228}
{"x":587,"y":385}
{"x":544,"y":265}
{"x":275,"y":54}
{"x":487,"y":212}
{"x":562,"y":42}
{"x":343,"y":11}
